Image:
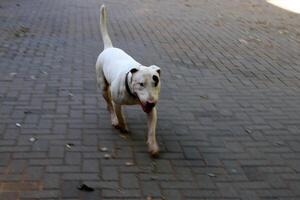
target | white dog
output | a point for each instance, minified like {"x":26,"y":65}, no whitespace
{"x":124,"y":81}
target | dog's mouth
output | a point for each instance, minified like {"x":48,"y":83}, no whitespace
{"x":147,"y":107}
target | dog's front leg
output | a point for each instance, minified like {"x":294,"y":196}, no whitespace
{"x":122,"y":123}
{"x":151,"y":141}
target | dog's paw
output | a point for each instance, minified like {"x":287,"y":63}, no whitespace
{"x":153,"y":149}
{"x":115,"y":122}
{"x":116,"y":126}
{"x":124,"y":130}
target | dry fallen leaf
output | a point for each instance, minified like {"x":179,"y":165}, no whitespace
{"x":103,"y":149}
{"x":69,"y":146}
{"x":107,"y":156}
{"x":123,"y":136}
{"x":248,"y":130}
{"x":243,"y":41}
{"x":13,"y":74}
{"x":129,"y":163}
{"x":211,"y":174}
{"x":32,"y":139}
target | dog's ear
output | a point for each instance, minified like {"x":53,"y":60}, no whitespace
{"x":156,"y":68}
{"x":158,"y":71}
{"x":133,"y":70}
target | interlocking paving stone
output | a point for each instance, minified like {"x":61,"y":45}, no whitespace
{"x":228,"y":115}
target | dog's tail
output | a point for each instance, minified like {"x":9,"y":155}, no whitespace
{"x":103,"y":28}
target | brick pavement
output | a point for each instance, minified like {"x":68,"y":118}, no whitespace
{"x":229,"y":115}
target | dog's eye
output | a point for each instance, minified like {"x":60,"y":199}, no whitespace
{"x":142,"y":84}
{"x":155,"y":79}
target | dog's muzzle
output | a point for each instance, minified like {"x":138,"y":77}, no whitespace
{"x":148,"y":106}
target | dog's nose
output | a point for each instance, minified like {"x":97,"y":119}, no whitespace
{"x":150,"y":104}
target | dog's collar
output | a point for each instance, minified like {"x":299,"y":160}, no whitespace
{"x":127,"y":86}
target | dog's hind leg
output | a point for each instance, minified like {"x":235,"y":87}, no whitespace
{"x":110,"y":107}
{"x":102,"y":82}
{"x":122,"y":123}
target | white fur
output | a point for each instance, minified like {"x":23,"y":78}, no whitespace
{"x":111,"y":68}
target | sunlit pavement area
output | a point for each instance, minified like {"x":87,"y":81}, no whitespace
{"x":229,"y":112}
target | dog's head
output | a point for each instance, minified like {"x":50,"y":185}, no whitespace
{"x":145,"y":83}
